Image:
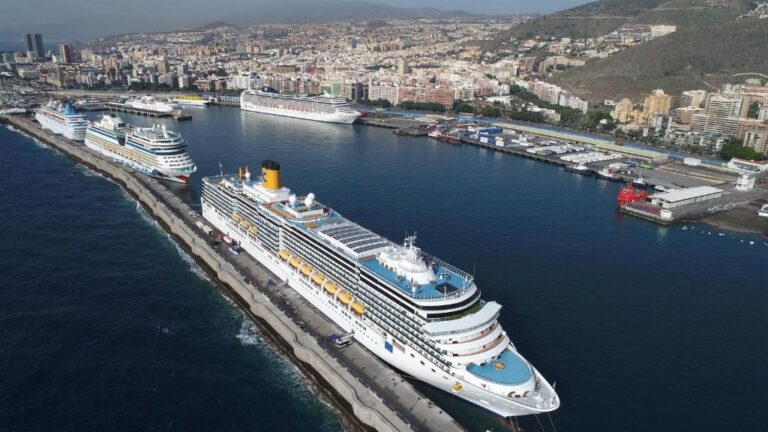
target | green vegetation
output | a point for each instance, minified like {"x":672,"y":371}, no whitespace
{"x":422,"y":106}
{"x":378,"y":103}
{"x":736,"y":148}
{"x":490,"y":111}
{"x":754,"y":110}
{"x":462,"y":107}
{"x":527,"y":116}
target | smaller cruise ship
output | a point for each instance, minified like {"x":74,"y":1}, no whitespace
{"x":149,"y":103}
{"x":62,"y":120}
{"x":191,"y":101}
{"x":154,"y":151}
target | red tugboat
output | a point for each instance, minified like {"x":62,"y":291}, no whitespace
{"x":628,"y":194}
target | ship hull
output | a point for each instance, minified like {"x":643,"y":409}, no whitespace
{"x":99,"y":145}
{"x":403,"y":359}
{"x":336,"y":117}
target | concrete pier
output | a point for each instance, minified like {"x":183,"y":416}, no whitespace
{"x":360,"y":384}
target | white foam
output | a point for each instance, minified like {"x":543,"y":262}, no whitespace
{"x":248,"y":334}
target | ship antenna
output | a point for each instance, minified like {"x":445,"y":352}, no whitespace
{"x":221,"y":169}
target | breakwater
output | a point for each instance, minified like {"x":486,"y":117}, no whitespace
{"x":364,"y":395}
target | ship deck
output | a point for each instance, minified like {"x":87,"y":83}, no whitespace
{"x":508,"y":369}
{"x":448,"y":282}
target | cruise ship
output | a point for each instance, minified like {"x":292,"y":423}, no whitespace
{"x":322,"y":108}
{"x":418,"y":313}
{"x":149,"y":103}
{"x":62,"y":120}
{"x":153,"y":151}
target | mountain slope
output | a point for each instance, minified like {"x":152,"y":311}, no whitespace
{"x":701,"y":56}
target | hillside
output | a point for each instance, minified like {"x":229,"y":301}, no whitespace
{"x":698,"y":57}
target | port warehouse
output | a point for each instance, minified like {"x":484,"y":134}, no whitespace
{"x":645,"y":155}
{"x":682,"y":197}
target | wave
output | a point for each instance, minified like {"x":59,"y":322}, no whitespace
{"x":248,"y":334}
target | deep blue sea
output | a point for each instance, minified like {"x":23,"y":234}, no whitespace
{"x":106,"y":325}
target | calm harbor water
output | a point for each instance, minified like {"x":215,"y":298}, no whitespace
{"x":641,"y":327}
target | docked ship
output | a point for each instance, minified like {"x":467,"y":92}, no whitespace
{"x":149,"y":103}
{"x":154,"y":151}
{"x":322,"y":108}
{"x":191,"y":101}
{"x":62,"y":120}
{"x":418,"y":313}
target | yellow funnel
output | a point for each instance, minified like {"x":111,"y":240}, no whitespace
{"x":270,"y":173}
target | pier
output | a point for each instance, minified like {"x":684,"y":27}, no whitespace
{"x":362,"y":386}
{"x":178,"y":115}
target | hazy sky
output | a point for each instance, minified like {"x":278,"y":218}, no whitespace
{"x":87,"y":19}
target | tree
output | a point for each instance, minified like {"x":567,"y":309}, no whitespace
{"x":379,"y":103}
{"x":737,"y":149}
{"x":490,"y":111}
{"x":754,"y":110}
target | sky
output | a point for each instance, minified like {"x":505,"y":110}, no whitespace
{"x":73,"y":20}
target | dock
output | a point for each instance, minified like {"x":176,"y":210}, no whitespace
{"x":366,"y":390}
{"x":178,"y":115}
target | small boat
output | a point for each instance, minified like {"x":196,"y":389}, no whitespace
{"x":640,"y":181}
{"x":607,"y":174}
{"x":579,"y":169}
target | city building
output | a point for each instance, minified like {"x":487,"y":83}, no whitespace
{"x":692,"y":98}
{"x":681,"y":197}
{"x":66,"y":54}
{"x":622,"y":112}
{"x":657,"y":103}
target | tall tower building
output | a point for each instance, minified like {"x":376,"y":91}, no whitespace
{"x":657,"y":103}
{"x":39,"y":49}
{"x":402,"y":66}
{"x":66,"y":53}
{"x":29,"y":45}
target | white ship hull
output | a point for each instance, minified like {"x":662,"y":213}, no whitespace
{"x":406,"y":359}
{"x":161,"y":173}
{"x":336,"y":117}
{"x":59,"y":128}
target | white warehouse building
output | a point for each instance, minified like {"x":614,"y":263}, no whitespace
{"x":681,"y":197}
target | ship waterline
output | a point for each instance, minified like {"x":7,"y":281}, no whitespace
{"x":414,"y":311}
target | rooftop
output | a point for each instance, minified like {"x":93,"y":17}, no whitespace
{"x":447,"y":284}
{"x":685,"y":194}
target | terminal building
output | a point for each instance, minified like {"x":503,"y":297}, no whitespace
{"x":681,"y":197}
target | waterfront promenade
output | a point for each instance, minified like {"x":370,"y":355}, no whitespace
{"x":373,"y":393}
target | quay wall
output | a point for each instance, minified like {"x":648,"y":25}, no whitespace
{"x":372,"y":412}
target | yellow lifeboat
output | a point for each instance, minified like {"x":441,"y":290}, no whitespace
{"x":318,"y":278}
{"x":284,"y":254}
{"x":331,"y":287}
{"x":237,"y":218}
{"x":245,"y":223}
{"x":345,"y":297}
{"x":457,"y":387}
{"x":306,"y":269}
{"x":358,"y":308}
{"x":254,"y":230}
{"x":295,"y":262}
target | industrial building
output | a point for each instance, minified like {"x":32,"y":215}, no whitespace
{"x":681,"y":197}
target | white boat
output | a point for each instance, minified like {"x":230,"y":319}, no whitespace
{"x":607,"y":173}
{"x":191,"y":101}
{"x":323,"y":108}
{"x":149,"y":103}
{"x":13,"y":111}
{"x":579,"y":169}
{"x":640,"y":181}
{"x":62,"y":120}
{"x":153,"y":151}
{"x":763,"y":212}
{"x":416,"y":312}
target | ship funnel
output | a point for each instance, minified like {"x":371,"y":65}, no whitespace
{"x":309,"y":200}
{"x":292,"y":200}
{"x":247,"y":174}
{"x":240,"y":172}
{"x":270,"y":174}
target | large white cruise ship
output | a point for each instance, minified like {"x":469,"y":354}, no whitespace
{"x":322,"y":108}
{"x":149,"y":103}
{"x":423,"y":316}
{"x":62,"y":120}
{"x":153,"y":151}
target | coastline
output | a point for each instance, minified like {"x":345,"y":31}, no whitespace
{"x":360,"y":407}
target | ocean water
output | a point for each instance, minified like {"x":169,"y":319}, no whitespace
{"x":641,"y":327}
{"x":105,"y":324}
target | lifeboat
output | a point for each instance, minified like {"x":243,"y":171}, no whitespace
{"x":237,"y":218}
{"x":245,"y":223}
{"x":457,"y":387}
{"x":295,"y":262}
{"x":306,"y":269}
{"x":358,"y":308}
{"x":284,"y":254}
{"x":331,"y":287}
{"x":253,"y":229}
{"x":345,"y":297}
{"x":318,"y":278}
